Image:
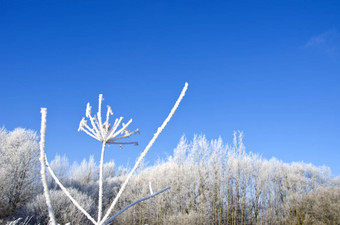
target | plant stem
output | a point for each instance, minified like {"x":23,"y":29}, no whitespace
{"x":43,"y":166}
{"x":68,"y":194}
{"x":100,"y":199}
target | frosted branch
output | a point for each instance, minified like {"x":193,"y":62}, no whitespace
{"x":43,"y":166}
{"x":134,"y":203}
{"x":93,"y":123}
{"x":115,"y":126}
{"x":121,"y":130}
{"x":126,"y":143}
{"x":147,"y":148}
{"x":99,"y":114}
{"x":108,"y":113}
{"x":113,"y":141}
{"x":68,"y":193}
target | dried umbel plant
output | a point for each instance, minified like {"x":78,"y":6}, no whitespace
{"x":106,"y":134}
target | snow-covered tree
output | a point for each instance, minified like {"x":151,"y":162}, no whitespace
{"x":85,"y":172}
{"x":19,"y":155}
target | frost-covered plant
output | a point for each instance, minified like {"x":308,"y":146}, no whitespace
{"x":106,"y":134}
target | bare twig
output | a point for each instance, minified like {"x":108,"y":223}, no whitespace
{"x":134,"y":203}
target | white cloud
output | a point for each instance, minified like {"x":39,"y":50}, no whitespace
{"x":328,"y":42}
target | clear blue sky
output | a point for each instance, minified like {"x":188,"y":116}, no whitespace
{"x":268,"y":68}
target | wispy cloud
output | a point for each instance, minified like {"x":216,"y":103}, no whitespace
{"x":327,"y":42}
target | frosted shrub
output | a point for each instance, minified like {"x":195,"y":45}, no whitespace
{"x":321,"y":206}
{"x":64,"y":210}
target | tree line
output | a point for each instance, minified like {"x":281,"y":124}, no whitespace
{"x":211,"y":183}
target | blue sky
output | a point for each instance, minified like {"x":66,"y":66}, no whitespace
{"x":267,"y":68}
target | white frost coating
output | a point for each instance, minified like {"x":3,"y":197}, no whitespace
{"x":43,"y":166}
{"x":68,"y":193}
{"x":108,"y":113}
{"x":147,"y":148}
